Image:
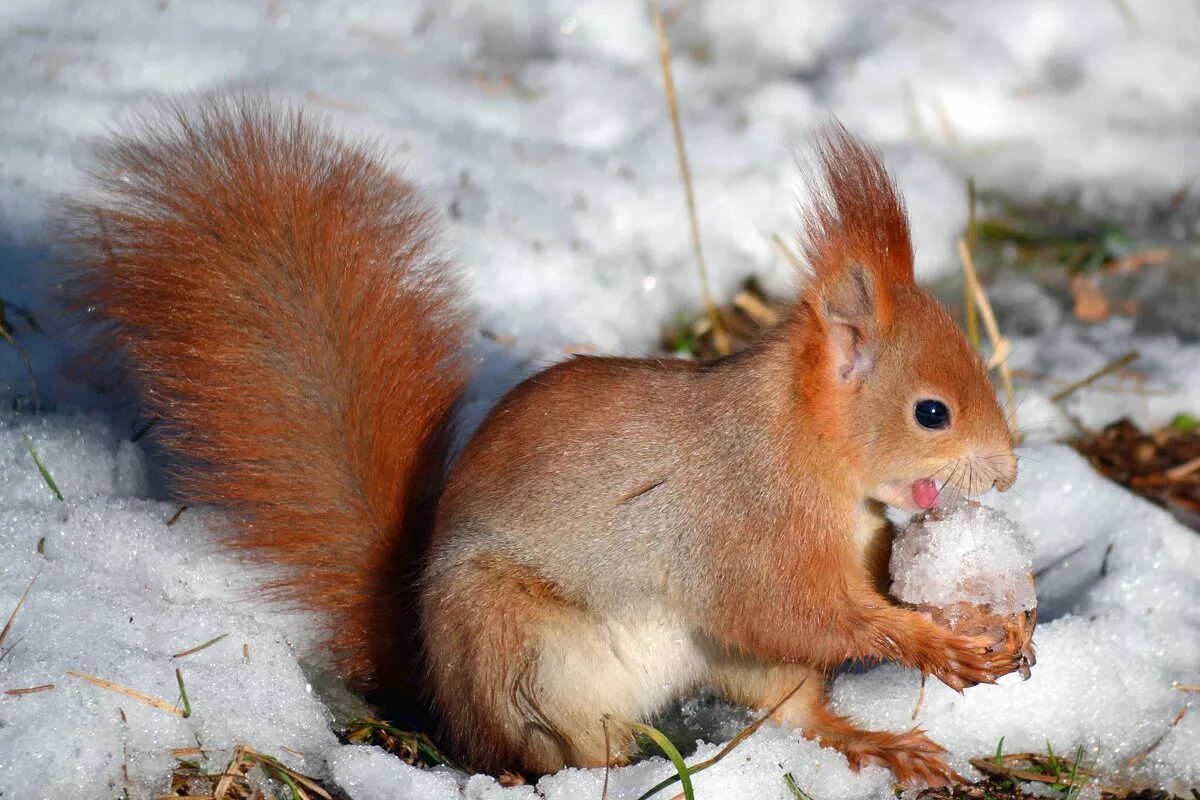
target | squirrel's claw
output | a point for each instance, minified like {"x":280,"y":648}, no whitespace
{"x":970,"y":661}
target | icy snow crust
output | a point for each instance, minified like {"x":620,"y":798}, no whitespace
{"x":538,"y":130}
{"x":966,"y":553}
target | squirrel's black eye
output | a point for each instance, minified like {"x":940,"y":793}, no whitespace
{"x":932,"y":414}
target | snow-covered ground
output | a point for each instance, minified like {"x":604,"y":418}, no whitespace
{"x":539,"y":129}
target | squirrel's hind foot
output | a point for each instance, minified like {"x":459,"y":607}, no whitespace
{"x":914,"y":758}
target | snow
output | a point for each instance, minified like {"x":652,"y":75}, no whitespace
{"x":756,"y":771}
{"x":117,"y":593}
{"x":966,"y":553}
{"x":539,"y":131}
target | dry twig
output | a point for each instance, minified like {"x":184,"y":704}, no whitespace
{"x":664,"y":52}
{"x":1112,"y":366}
{"x":999,"y":343}
{"x":1133,"y":762}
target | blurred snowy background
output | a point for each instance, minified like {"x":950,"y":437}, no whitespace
{"x":539,"y":130}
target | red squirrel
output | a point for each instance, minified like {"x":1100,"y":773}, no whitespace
{"x":619,"y":532}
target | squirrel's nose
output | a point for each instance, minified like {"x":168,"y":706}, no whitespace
{"x":1005,"y":471}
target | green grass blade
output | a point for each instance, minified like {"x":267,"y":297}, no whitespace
{"x":46,"y":476}
{"x":796,"y":791}
{"x":1000,"y":754}
{"x":1185,"y":423}
{"x":183,"y":698}
{"x":1075,"y":789}
{"x":297,"y":793}
{"x":1053,"y":761}
{"x":734,"y":743}
{"x":672,"y":753}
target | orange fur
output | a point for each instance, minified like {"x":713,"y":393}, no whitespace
{"x":280,"y":302}
{"x":619,"y":532}
{"x":739,"y":500}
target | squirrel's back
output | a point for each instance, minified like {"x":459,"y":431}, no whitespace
{"x":284,"y":310}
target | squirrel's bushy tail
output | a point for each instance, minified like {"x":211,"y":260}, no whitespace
{"x":286,"y":313}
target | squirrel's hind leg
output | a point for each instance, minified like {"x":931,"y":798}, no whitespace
{"x":913,"y":757}
{"x":525,"y":679}
{"x":755,"y":684}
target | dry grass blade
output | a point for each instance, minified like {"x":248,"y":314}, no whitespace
{"x":748,"y":731}
{"x":607,"y":758}
{"x":1135,"y":261}
{"x":915,"y":126}
{"x":1037,"y":768}
{"x":1187,"y":687}
{"x":1133,"y":762}
{"x":200,"y":647}
{"x":969,"y":307}
{"x":993,"y":330}
{"x":16,"y":610}
{"x":999,"y":354}
{"x":987,"y":765}
{"x":237,"y":768}
{"x":1127,"y":15}
{"x":1088,"y":380}
{"x":134,"y":694}
{"x":412,"y":747}
{"x":787,"y":253}
{"x":742,"y":736}
{"x":750,"y":305}
{"x":920,"y":698}
{"x":276,"y":769}
{"x":6,"y":334}
{"x":746,"y":319}
{"x":141,"y":432}
{"x":233,"y":784}
{"x":328,"y":101}
{"x":45,"y":687}
{"x":664,"y":52}
{"x":1184,"y":469}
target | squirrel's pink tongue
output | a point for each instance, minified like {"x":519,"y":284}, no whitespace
{"x":925,"y":493}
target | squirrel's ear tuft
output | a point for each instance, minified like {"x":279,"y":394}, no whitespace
{"x":855,"y":218}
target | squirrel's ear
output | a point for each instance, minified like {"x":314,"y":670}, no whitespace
{"x":846,"y":301}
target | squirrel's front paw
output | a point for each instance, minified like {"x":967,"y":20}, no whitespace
{"x":966,"y":661}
